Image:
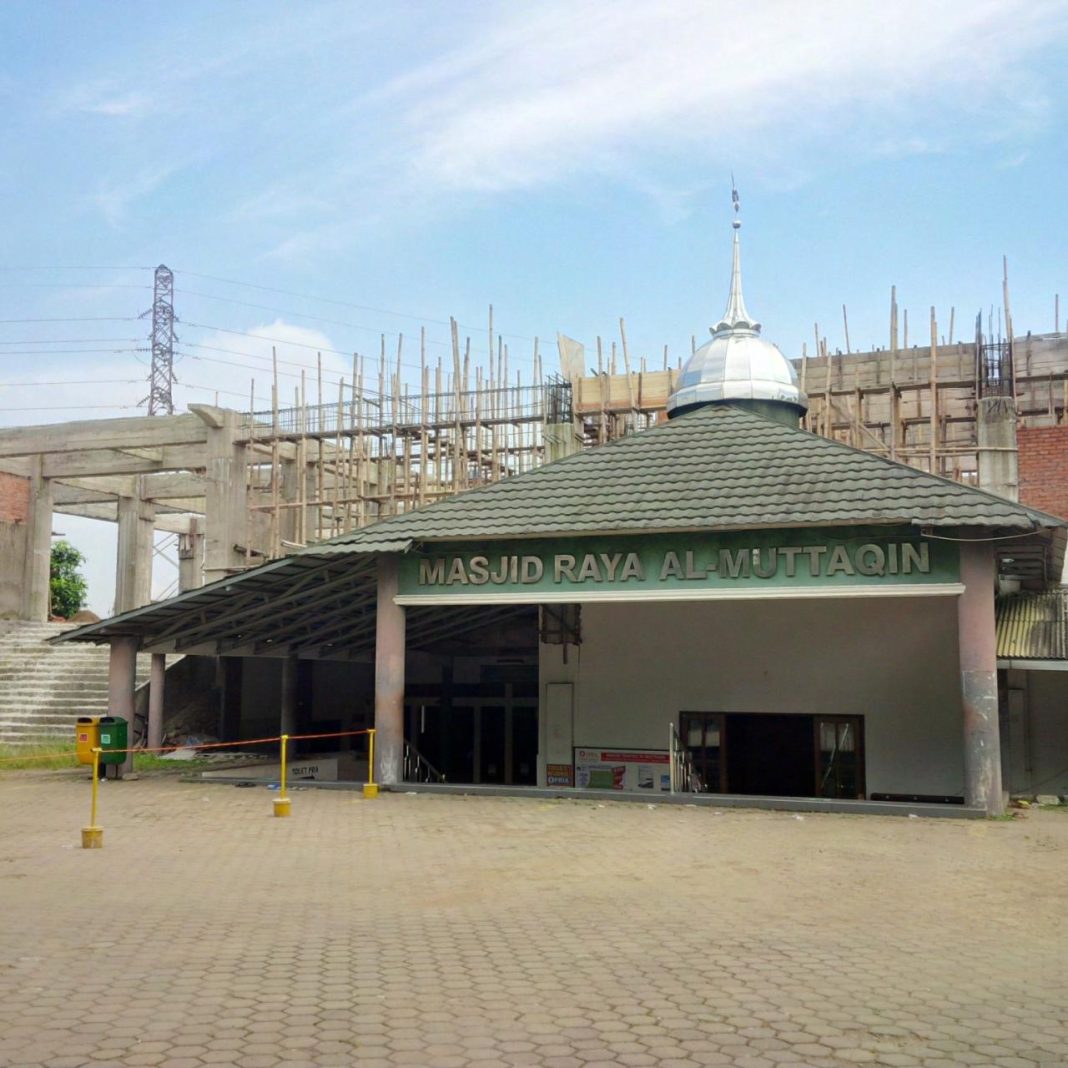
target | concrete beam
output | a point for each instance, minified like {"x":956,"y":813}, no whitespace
{"x":161,"y":486}
{"x":174,"y":523}
{"x":138,"y":432}
{"x":89,"y":462}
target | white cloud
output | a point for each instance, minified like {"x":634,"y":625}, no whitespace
{"x":228,"y":363}
{"x":546,"y":93}
{"x":115,"y":198}
{"x":108,"y":99}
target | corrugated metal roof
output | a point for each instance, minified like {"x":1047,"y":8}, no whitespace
{"x":717,"y":468}
{"x":1033,"y":626}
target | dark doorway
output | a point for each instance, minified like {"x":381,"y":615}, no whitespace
{"x":772,"y":755}
{"x":776,"y":755}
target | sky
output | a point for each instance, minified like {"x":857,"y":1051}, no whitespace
{"x":320,"y":174}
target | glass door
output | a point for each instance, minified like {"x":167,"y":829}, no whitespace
{"x":702,"y":734}
{"x":840,"y":756}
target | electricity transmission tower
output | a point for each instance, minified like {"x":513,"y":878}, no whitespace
{"x":161,"y":377}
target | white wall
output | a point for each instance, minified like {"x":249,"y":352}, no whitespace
{"x":893,"y":661}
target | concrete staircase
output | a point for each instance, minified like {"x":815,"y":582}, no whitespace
{"x":44,"y":688}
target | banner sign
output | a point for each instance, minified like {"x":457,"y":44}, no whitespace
{"x":621,"y":769}
{"x":795,"y":559}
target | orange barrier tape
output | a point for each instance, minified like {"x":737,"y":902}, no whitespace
{"x":203,"y":745}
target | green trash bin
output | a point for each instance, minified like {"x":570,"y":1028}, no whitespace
{"x":113,"y":735}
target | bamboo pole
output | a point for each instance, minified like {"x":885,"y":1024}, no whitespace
{"x":275,"y":457}
{"x":933,"y":459}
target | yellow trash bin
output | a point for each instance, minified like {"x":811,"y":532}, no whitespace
{"x":87,"y":738}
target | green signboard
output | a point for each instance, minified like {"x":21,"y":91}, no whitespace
{"x":750,"y":563}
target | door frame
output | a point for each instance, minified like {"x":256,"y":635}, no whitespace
{"x":862,"y":763}
{"x":704,"y":717}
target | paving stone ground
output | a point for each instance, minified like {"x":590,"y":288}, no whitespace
{"x":448,"y":931}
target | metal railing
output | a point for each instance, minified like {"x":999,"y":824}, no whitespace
{"x":364,"y":413}
{"x":684,"y":777}
{"x":417,"y":768}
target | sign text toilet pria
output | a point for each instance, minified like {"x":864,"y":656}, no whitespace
{"x":663,"y":563}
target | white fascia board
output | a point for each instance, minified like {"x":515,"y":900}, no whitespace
{"x":935,"y":589}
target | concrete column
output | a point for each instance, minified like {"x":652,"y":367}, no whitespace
{"x":561,"y":439}
{"x":38,"y":561}
{"x":999,"y":458}
{"x":191,"y":558}
{"x":133,"y":568}
{"x":288,"y":519}
{"x":122,"y":680}
{"x":979,"y":678}
{"x":288,"y":722}
{"x":156,"y":683}
{"x":389,"y":676}
{"x":227,"y":524}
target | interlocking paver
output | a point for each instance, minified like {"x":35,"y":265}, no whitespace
{"x":447,"y":932}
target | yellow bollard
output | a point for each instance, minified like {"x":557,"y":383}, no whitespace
{"x":370,"y":788}
{"x":93,"y":836}
{"x":282,"y":806}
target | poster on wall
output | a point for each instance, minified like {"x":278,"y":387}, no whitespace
{"x":622,"y":769}
{"x":559,"y":775}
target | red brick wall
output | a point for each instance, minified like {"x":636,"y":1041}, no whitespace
{"x":14,"y":498}
{"x":1044,"y":467}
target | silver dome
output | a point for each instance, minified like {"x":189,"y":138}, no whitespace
{"x":737,"y":364}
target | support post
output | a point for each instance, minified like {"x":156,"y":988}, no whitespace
{"x":226,"y":496}
{"x":191,"y":558}
{"x":133,"y":569}
{"x":979,"y":679}
{"x":156,"y":684}
{"x":38,"y":561}
{"x":122,"y":680}
{"x":389,"y":675}
{"x":288,"y":723}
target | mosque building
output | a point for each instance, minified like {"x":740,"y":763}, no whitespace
{"x":724,"y":603}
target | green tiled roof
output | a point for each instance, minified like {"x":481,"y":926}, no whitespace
{"x":717,"y":468}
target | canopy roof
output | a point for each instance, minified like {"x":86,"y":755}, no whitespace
{"x":714,"y":469}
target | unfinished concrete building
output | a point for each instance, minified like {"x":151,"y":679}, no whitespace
{"x":239,"y":488}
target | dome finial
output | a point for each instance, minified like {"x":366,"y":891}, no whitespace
{"x":736,"y":317}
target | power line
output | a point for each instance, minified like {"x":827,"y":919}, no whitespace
{"x":71,"y":285}
{"x":513,"y":357}
{"x":89,"y":319}
{"x":73,"y":268}
{"x":65,"y":352}
{"x":73,"y":382}
{"x":68,"y":407}
{"x":339,"y":303}
{"x":70,"y":340}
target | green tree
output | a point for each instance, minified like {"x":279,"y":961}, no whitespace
{"x":67,"y":586}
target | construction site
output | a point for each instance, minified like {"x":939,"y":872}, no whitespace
{"x":236,"y":488}
{"x":298,"y":480}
